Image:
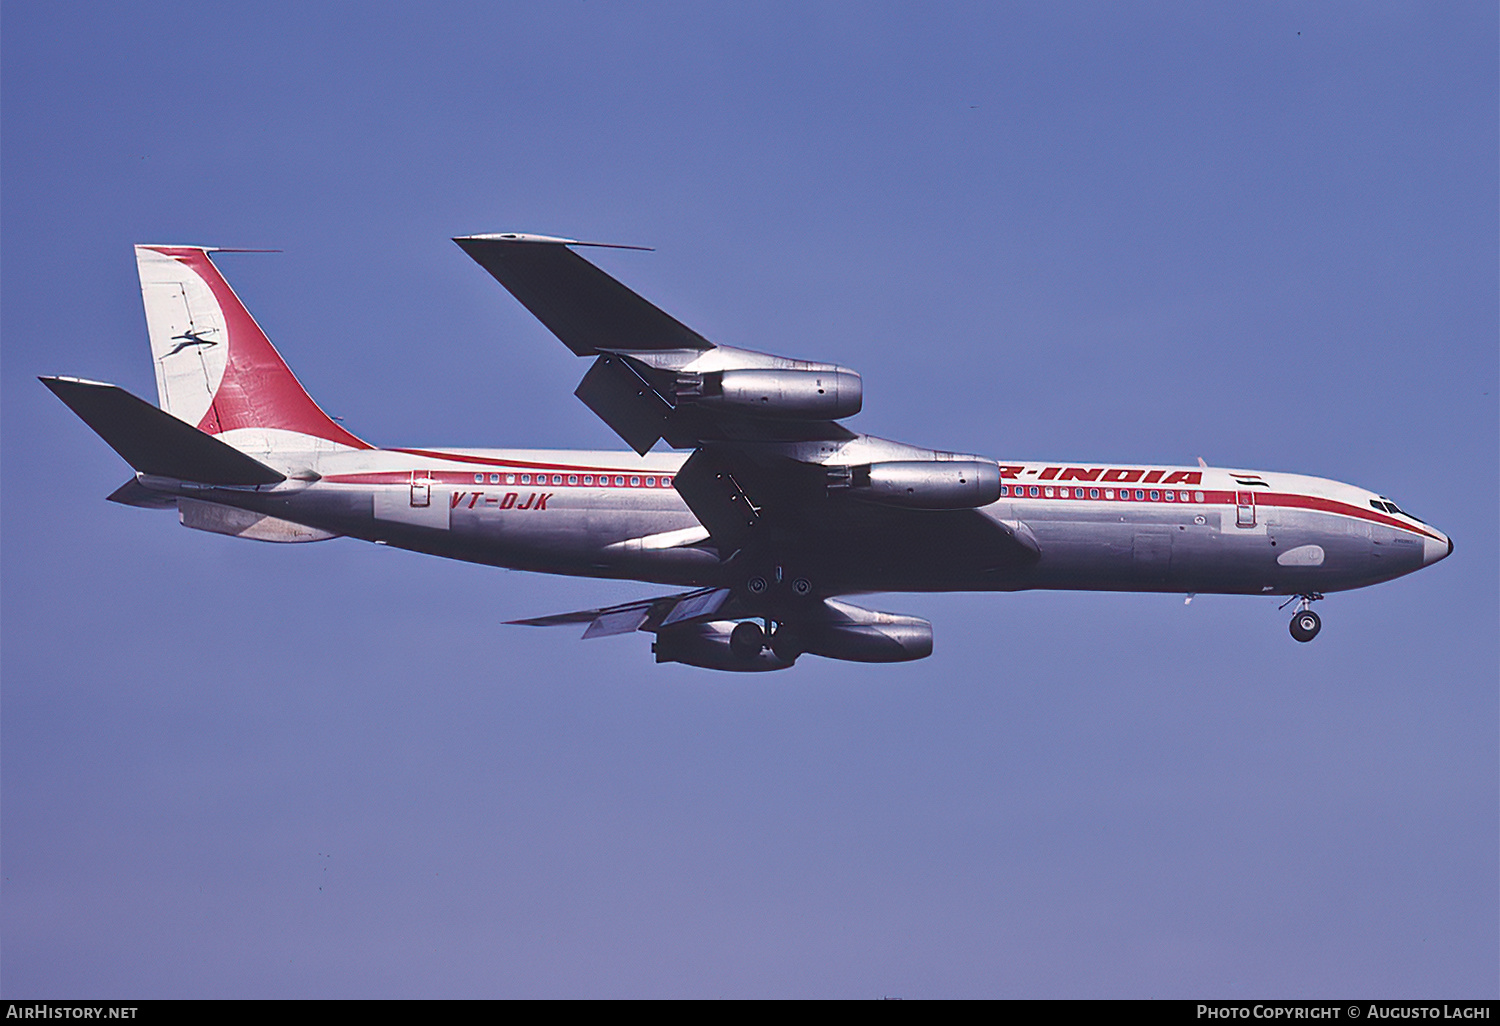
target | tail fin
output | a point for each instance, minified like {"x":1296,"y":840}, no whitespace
{"x":215,"y":368}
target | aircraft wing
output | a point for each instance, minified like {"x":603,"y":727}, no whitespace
{"x":580,"y":304}
{"x":653,"y":377}
{"x":770,"y":459}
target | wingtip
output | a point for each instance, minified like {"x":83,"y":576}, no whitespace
{"x":546,"y":240}
{"x":52,"y":381}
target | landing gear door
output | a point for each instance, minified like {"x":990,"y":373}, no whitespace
{"x":1244,"y":509}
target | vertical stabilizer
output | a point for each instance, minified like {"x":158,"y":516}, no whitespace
{"x":215,"y":368}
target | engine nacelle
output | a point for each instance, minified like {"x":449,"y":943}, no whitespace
{"x":922,"y":484}
{"x":872,"y":643}
{"x":707,"y":645}
{"x":782,"y":394}
{"x":855,"y":634}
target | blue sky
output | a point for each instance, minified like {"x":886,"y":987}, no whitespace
{"x":1263,"y":234}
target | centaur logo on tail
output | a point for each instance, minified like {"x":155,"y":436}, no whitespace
{"x":769,"y":511}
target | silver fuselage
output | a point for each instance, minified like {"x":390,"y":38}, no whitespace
{"x":1084,"y":527}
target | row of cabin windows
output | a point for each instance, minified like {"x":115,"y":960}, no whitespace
{"x":604,"y":480}
{"x":1047,"y":492}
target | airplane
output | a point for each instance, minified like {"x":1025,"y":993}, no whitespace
{"x":770,"y":511}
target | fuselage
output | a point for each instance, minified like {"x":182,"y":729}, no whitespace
{"x":1055,"y":525}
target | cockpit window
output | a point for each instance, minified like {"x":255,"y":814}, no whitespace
{"x":1387,"y":506}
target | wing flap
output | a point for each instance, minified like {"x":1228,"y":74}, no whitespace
{"x":643,"y":615}
{"x":626,"y":401}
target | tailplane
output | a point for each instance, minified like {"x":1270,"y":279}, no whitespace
{"x":154,"y":443}
{"x":215,"y":367}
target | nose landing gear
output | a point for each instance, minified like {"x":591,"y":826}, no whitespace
{"x":1305,"y":623}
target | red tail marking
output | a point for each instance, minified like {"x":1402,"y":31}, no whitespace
{"x":258,"y":389}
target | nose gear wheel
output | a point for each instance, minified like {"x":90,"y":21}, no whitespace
{"x":1305,"y":623}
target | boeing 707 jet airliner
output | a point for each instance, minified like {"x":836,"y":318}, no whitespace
{"x":770,"y":511}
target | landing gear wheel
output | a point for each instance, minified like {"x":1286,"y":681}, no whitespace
{"x":746,"y":640}
{"x":1306,"y":625}
{"x":786,"y":644}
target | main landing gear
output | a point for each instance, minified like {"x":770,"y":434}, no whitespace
{"x":1305,"y":623}
{"x":748,"y":639}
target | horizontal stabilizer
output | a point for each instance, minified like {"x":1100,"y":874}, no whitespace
{"x":642,"y":615}
{"x":155,"y":442}
{"x":580,"y":304}
{"x":133,"y":493}
{"x":244,"y":523}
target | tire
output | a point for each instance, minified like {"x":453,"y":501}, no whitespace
{"x":746,"y":640}
{"x":786,"y":644}
{"x":1306,"y":625}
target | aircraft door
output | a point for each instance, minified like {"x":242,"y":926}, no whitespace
{"x":1244,"y":509}
{"x":421,"y":488}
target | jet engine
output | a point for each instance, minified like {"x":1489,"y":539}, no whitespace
{"x":838,"y":631}
{"x":780,"y":393}
{"x":713,"y":646}
{"x":899,"y":639}
{"x":921,"y":484}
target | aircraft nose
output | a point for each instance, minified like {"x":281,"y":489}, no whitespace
{"x":1434,"y":549}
